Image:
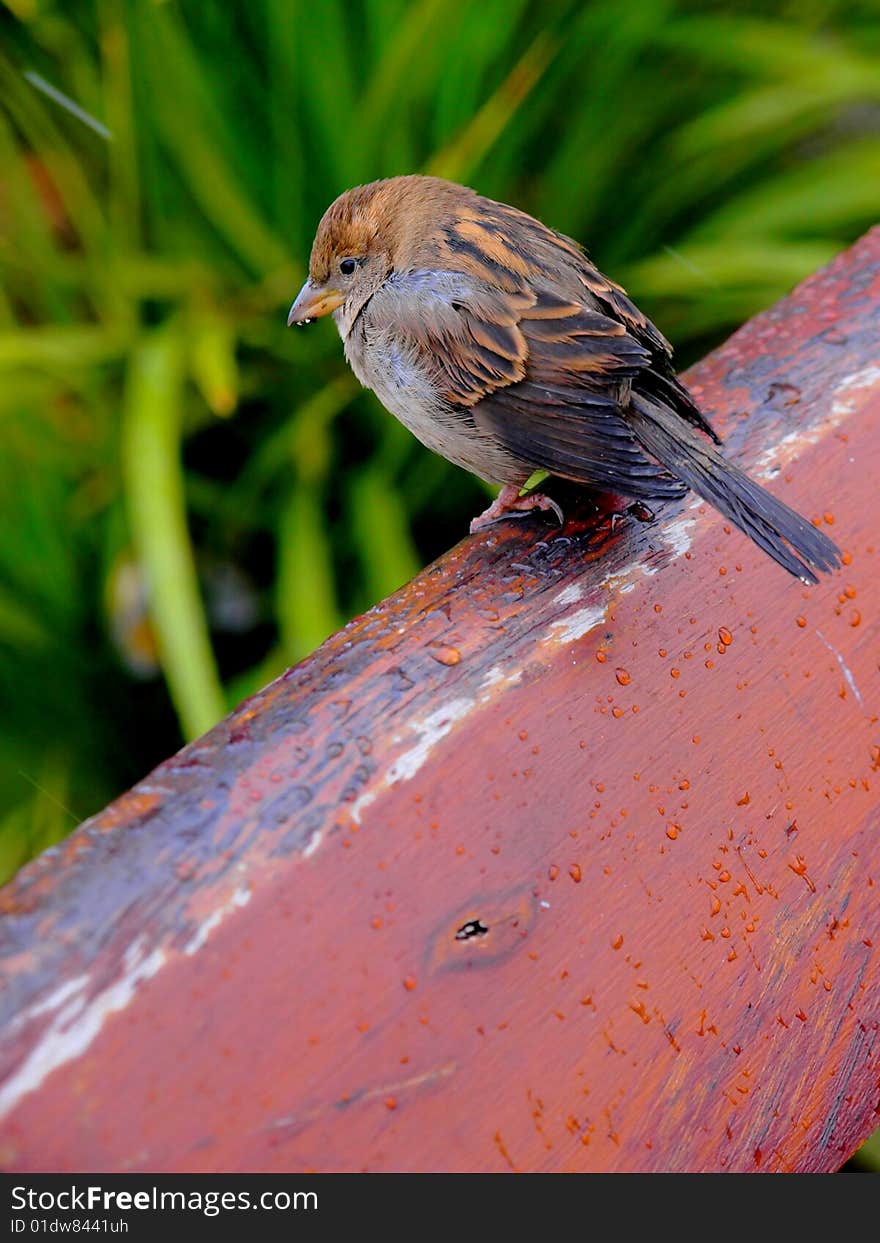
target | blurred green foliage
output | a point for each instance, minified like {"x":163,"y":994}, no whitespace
{"x":191,"y":496}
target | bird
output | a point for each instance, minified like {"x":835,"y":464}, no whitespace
{"x":501,"y":346}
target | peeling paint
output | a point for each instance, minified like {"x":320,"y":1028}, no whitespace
{"x":569,"y":595}
{"x":240,"y":898}
{"x":676,"y":534}
{"x":430,"y":730}
{"x":78,"y":1023}
{"x":577,"y":624}
{"x":54,"y":1001}
{"x":493,"y":677}
{"x":313,"y":843}
{"x":840,"y":407}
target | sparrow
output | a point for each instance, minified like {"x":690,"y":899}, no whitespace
{"x":497,"y":342}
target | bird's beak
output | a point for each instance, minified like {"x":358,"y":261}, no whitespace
{"x":312,"y":302}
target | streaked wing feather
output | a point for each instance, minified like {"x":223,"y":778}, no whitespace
{"x":574,"y":435}
{"x":565,"y":416}
{"x":466,"y":333}
{"x":562,"y":262}
{"x":542,"y":373}
{"x":659,"y":379}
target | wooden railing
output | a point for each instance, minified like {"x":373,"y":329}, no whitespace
{"x":566,"y":856}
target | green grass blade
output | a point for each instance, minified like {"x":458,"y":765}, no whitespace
{"x":154,"y":488}
{"x":306,"y":593}
{"x":381,"y":530}
{"x":458,"y":160}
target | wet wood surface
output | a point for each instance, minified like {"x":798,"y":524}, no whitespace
{"x":565,"y":857}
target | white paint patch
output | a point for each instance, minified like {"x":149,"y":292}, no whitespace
{"x":843,"y":404}
{"x":581,"y":622}
{"x":240,"y":897}
{"x":313,"y":843}
{"x":576,"y":625}
{"x":429,"y":731}
{"x":865,"y":377}
{"x":78,"y":1022}
{"x":495,"y":675}
{"x":52,"y":1002}
{"x":622,"y":582}
{"x":569,"y":595}
{"x":677,"y":534}
{"x":363,"y":801}
{"x":847,"y":672}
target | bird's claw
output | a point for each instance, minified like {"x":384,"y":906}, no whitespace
{"x":509,"y":504}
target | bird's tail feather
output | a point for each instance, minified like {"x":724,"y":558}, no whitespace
{"x":769,"y":522}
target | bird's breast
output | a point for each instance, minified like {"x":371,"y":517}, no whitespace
{"x":401,"y":378}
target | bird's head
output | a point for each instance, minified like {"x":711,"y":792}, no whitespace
{"x":364,"y":237}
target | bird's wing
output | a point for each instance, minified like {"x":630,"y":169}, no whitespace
{"x":498,"y":240}
{"x":659,"y":379}
{"x":565,"y":415}
{"x":463,"y":334}
{"x":545,"y":375}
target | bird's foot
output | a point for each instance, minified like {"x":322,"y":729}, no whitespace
{"x":508,"y":503}
{"x":638,"y":510}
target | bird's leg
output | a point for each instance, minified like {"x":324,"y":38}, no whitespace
{"x":508,"y":503}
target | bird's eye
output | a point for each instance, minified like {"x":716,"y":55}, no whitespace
{"x":347,"y":266}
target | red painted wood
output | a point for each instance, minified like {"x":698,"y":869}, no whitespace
{"x":637,"y":754}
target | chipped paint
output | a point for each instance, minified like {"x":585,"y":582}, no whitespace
{"x":577,"y":624}
{"x":239,"y":898}
{"x":312,"y":844}
{"x":494,"y":676}
{"x":841,"y":405}
{"x":55,"y":1000}
{"x":865,"y":378}
{"x":677,"y":535}
{"x":79,"y":1021}
{"x":569,"y":595}
{"x":430,"y":730}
